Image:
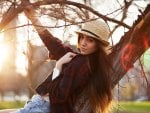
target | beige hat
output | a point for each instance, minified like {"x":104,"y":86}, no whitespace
{"x":97,"y":29}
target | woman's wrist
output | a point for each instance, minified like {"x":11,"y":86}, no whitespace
{"x":32,"y":15}
{"x":58,"y":65}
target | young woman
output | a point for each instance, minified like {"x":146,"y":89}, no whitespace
{"x":80,"y":82}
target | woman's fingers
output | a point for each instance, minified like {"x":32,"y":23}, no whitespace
{"x":72,"y":54}
{"x":65,"y":59}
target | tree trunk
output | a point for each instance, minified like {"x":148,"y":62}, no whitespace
{"x":131,"y":46}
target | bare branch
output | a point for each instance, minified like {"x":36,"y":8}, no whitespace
{"x":79,"y":5}
{"x":15,"y":11}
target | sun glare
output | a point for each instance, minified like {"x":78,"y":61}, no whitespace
{"x":21,"y":64}
{"x":4,"y":52}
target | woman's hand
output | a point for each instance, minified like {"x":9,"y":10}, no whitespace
{"x":65,"y":59}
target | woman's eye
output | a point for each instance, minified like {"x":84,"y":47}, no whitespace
{"x":81,"y":36}
{"x":90,"y":40}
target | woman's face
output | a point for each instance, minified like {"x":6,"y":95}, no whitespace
{"x":87,"y":44}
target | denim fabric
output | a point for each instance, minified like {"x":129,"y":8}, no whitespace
{"x":35,"y":105}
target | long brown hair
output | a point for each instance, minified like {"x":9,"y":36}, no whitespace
{"x":99,"y":87}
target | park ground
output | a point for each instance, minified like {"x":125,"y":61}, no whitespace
{"x":118,"y":107}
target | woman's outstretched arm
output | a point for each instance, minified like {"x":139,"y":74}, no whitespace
{"x":54,"y":45}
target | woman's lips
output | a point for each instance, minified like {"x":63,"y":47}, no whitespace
{"x":82,"y":49}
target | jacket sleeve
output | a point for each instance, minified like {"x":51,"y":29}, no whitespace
{"x":75,"y":77}
{"x":54,"y":45}
{"x":42,"y":89}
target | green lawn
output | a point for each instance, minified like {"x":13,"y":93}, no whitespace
{"x":122,"y":107}
{"x":133,"y":107}
{"x":9,"y":105}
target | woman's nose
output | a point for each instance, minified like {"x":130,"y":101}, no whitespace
{"x":83,"y":42}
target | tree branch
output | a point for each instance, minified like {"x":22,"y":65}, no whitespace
{"x":13,"y":12}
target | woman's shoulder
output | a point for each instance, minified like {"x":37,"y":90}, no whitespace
{"x":79,"y":60}
{"x":78,"y":64}
{"x":80,"y":57}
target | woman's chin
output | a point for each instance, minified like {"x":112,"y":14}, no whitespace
{"x":84,"y":53}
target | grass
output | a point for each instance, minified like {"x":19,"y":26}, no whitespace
{"x":122,"y":107}
{"x":134,"y":107}
{"x":11,"y":104}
